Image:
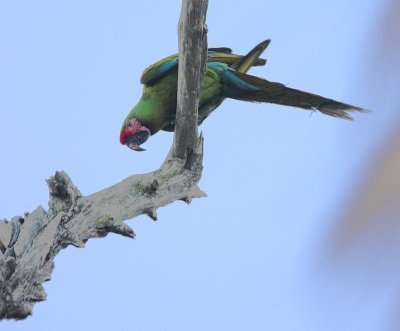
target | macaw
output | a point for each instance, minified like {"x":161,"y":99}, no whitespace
{"x":225,"y":77}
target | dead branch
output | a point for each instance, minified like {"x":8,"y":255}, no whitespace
{"x":29,"y":244}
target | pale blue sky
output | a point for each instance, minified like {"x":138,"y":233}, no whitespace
{"x":241,"y":259}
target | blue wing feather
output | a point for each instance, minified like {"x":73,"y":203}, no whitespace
{"x":163,"y":68}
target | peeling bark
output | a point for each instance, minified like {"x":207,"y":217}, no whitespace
{"x":29,"y":244}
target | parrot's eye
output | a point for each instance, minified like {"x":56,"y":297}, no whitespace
{"x":129,"y":124}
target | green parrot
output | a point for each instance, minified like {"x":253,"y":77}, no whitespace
{"x":225,"y":77}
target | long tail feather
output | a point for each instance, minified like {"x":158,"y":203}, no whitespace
{"x":250,"y":88}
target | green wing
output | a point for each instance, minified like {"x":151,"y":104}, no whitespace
{"x":169,"y":64}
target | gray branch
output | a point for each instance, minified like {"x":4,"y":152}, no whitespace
{"x":29,"y":244}
{"x":192,"y":63}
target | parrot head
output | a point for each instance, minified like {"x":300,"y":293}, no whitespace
{"x":133,"y":134}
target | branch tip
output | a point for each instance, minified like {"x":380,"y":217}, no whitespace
{"x":187,"y":200}
{"x":37,"y":294}
{"x":74,"y":240}
{"x":152,"y":213}
{"x":107,"y":224}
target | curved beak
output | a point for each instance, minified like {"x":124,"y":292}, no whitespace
{"x":134,"y":141}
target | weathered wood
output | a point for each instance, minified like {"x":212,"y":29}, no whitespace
{"x":192,"y":61}
{"x":29,"y":244}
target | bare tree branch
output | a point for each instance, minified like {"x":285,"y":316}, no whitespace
{"x":29,"y":244}
{"x":192,"y":62}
